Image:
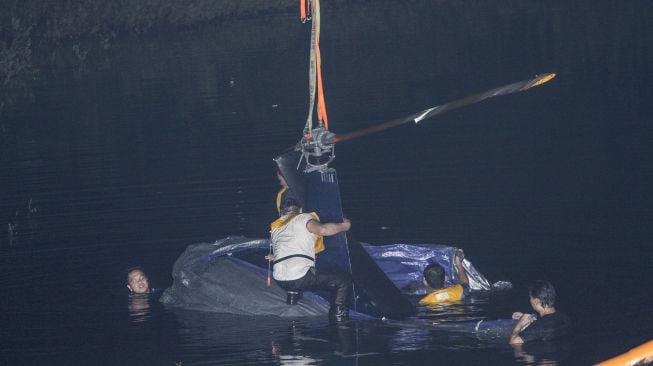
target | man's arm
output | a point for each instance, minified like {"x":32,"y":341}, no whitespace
{"x":328,"y":229}
{"x":524,"y":320}
{"x":463,"y":280}
{"x":516,"y":339}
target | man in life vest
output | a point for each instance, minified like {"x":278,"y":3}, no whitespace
{"x":294,"y":237}
{"x":434,"y":278}
{"x":548,"y":325}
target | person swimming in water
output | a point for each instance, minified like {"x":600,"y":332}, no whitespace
{"x":434,"y":278}
{"x":137,"y":281}
{"x":140,"y":294}
{"x":548,"y":324}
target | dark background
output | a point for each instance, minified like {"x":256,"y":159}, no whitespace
{"x":127,"y":136}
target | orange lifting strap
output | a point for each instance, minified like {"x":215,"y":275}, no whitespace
{"x":310,"y":10}
{"x":303,"y":6}
{"x":321,"y":105}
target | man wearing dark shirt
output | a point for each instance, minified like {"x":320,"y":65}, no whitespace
{"x":549,"y":325}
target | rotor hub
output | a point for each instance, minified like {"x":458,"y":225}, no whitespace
{"x":316,"y":150}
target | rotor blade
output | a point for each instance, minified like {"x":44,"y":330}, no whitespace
{"x":431,"y":112}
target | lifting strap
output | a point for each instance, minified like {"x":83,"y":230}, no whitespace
{"x":315,"y":81}
{"x":303,"y":12}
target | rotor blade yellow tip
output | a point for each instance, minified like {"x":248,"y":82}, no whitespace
{"x":543,"y":79}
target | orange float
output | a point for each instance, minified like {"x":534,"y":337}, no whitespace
{"x":635,"y":356}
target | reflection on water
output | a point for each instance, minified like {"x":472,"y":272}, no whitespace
{"x":226,"y":339}
{"x":542,"y":354}
{"x":272,"y":340}
{"x":139,"y":306}
{"x":473,"y":308}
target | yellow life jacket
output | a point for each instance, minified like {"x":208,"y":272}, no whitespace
{"x":279,"y":197}
{"x":319,"y":239}
{"x":448,"y":294}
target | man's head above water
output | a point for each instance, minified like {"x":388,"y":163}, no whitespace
{"x":542,"y":295}
{"x":434,"y":276}
{"x":137,"y":281}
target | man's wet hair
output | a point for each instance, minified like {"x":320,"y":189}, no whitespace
{"x":289,"y":205}
{"x":544,"y":291}
{"x":434,"y":275}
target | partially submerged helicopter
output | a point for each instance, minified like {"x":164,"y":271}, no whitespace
{"x":314,"y":184}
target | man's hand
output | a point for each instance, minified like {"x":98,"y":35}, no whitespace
{"x":463,"y":280}
{"x":269,"y":257}
{"x":525,"y":319}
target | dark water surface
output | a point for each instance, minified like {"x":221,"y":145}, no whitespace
{"x":167,"y":138}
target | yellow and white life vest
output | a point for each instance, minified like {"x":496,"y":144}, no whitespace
{"x":319,"y":239}
{"x":294,"y":246}
{"x":448,"y":294}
